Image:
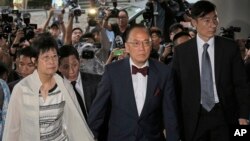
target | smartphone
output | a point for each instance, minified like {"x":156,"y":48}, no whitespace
{"x":118,"y":52}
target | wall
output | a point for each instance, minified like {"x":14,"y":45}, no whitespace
{"x":234,"y":13}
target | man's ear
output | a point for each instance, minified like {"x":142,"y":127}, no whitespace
{"x":127,"y":47}
{"x":194,"y":22}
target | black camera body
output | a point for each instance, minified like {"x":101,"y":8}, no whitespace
{"x":75,"y":8}
{"x":148,"y":12}
{"x":114,"y":13}
{"x":100,"y":14}
{"x":87,"y":50}
{"x":3,"y":35}
{"x":76,"y":11}
{"x":229,"y":32}
{"x":6,"y":21}
{"x":29,"y":31}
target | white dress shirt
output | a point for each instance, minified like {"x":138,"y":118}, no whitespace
{"x":210,"y":50}
{"x":79,"y":87}
{"x":139,"y":86}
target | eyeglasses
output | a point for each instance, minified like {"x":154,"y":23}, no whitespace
{"x":139,"y":43}
{"x":47,"y":58}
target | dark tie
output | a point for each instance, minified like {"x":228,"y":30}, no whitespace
{"x":143,"y":71}
{"x":79,"y":99}
{"x":207,"y":91}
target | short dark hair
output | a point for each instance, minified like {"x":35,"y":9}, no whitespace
{"x":136,"y":26}
{"x":180,"y":34}
{"x":77,"y":28}
{"x":3,"y":69}
{"x":87,"y":35}
{"x":43,"y":43}
{"x":66,"y":51}
{"x":28,"y":52}
{"x":175,"y":26}
{"x":202,"y":8}
{"x":55,"y":24}
{"x":155,"y":30}
{"x":125,"y":11}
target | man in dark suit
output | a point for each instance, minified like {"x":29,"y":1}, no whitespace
{"x":212,"y":92}
{"x":84,"y":84}
{"x":141,"y":94}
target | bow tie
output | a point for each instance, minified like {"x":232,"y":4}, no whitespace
{"x":143,"y":71}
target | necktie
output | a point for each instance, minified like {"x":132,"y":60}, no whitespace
{"x":143,"y":71}
{"x":207,"y":91}
{"x":79,"y":99}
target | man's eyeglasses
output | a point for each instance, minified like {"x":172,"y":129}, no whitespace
{"x":139,"y":43}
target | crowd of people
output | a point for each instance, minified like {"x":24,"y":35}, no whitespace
{"x":124,"y":82}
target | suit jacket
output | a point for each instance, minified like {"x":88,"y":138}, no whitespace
{"x":125,"y":124}
{"x":230,"y":78}
{"x":22,"y":120}
{"x":89,"y":86}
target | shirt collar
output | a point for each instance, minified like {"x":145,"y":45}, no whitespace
{"x":201,"y":42}
{"x":78,"y":80}
{"x":132,"y":63}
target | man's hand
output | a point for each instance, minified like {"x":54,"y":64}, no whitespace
{"x":51,"y":12}
{"x":19,"y":35}
{"x":243,"y":121}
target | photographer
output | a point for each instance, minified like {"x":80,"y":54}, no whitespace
{"x":4,"y":51}
{"x":72,"y":35}
{"x":164,"y":16}
{"x":57,"y":28}
{"x":167,"y":53}
{"x":19,"y":42}
{"x":118,"y":28}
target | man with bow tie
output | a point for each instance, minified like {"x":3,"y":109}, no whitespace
{"x":139,"y":93}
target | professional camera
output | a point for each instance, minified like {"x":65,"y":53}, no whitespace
{"x":28,"y":29}
{"x":149,"y":11}
{"x":18,"y":20}
{"x":247,"y":45}
{"x":6,"y":21}
{"x":74,"y":8}
{"x":3,"y":35}
{"x":89,"y":63}
{"x":87,"y":50}
{"x":229,"y":32}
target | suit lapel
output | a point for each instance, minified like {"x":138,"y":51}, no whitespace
{"x":218,"y":55}
{"x":87,"y":98}
{"x":151,"y":85}
{"x":195,"y":67}
{"x":129,"y":90}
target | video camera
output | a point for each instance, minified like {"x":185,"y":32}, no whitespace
{"x":6,"y":20}
{"x":99,"y":13}
{"x":149,"y":11}
{"x":3,"y":35}
{"x":87,"y":50}
{"x":229,"y":32}
{"x":89,"y":62}
{"x":75,"y":8}
{"x":28,"y":28}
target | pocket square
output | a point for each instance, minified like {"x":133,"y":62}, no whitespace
{"x":157,"y":92}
